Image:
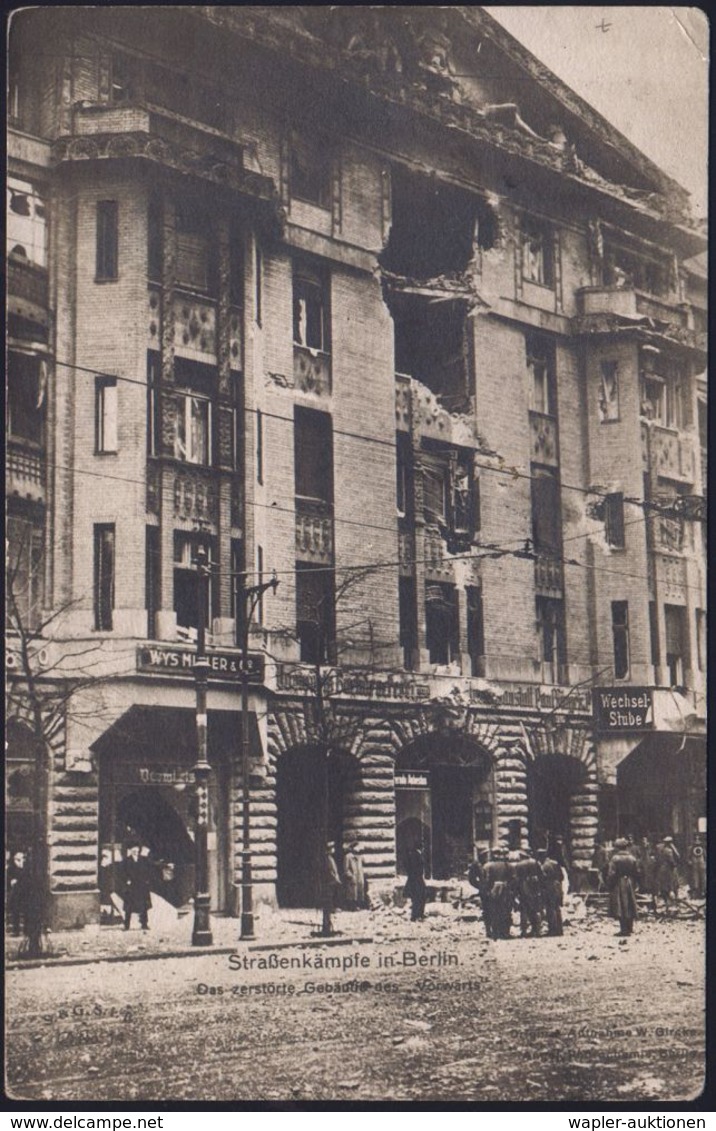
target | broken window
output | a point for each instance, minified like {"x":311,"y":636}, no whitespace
{"x":442,"y":623}
{"x":192,"y":419}
{"x":315,"y":613}
{"x":311,"y":325}
{"x":537,"y":245}
{"x":26,"y":222}
{"x":541,"y":367}
{"x":675,"y":629}
{"x":475,"y":630}
{"x":620,"y":637}
{"x":433,"y":345}
{"x":408,"y":613}
{"x":552,"y":637}
{"x":25,"y":396}
{"x":107,"y":257}
{"x":663,"y":390}
{"x":609,"y":391}
{"x":195,"y":259}
{"x":313,"y":454}
{"x":636,"y":269}
{"x":188,"y":579}
{"x":614,"y":520}
{"x":546,"y":511}
{"x":104,"y":569}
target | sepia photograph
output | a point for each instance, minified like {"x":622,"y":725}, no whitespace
{"x":356,"y":462}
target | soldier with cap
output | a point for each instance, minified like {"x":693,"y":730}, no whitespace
{"x":415,"y":887}
{"x":330,"y":888}
{"x":551,"y":891}
{"x":621,"y":880}
{"x":476,"y":877}
{"x":527,"y":879}
{"x":354,"y":895}
{"x":498,"y":888}
{"x":667,"y":871}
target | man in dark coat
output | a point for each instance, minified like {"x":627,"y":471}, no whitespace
{"x":498,"y":886}
{"x":697,"y":861}
{"x":644,"y":854}
{"x":330,"y":888}
{"x":354,"y":893}
{"x":476,"y":877}
{"x":621,"y":880}
{"x":137,"y":897}
{"x":667,"y":871}
{"x":527,"y":878}
{"x":18,"y":891}
{"x":415,"y":888}
{"x":551,"y":891}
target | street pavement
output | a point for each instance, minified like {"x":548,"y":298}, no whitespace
{"x":422,"y":1011}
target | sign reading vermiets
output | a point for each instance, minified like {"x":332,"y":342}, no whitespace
{"x":623,"y":708}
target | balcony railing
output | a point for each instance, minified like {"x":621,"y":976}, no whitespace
{"x":195,"y":497}
{"x":312,"y":370}
{"x":25,"y":474}
{"x":543,"y":439}
{"x":627,"y":302}
{"x":672,"y":454}
{"x":549,"y":575}
{"x":27,"y":283}
{"x":314,"y":531}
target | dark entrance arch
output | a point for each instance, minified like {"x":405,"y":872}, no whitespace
{"x":311,"y":792}
{"x":444,"y":802}
{"x":147,"y":815}
{"x":552,"y":782}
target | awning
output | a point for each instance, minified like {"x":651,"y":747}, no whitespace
{"x":169,"y":734}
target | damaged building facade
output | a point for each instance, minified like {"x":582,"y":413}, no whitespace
{"x":368,"y":298}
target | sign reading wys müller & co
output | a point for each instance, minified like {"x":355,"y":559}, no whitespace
{"x":623,"y":708}
{"x":160,"y":660}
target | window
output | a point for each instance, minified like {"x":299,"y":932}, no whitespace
{"x":188,"y":580}
{"x":259,"y":446}
{"x":701,"y":639}
{"x":105,"y":393}
{"x":537,"y":252}
{"x":614,"y":520}
{"x":625,"y":267}
{"x":620,"y":637}
{"x":236,"y":591}
{"x":408,"y":613}
{"x":313,"y":455}
{"x":541,"y":370}
{"x":154,"y":238}
{"x":310,"y":310}
{"x":26,"y":222}
{"x":552,"y":637}
{"x":107,"y":240}
{"x":152,"y":578}
{"x":194,"y":263}
{"x":663,"y":390}
{"x":23,"y":578}
{"x":609,"y":391}
{"x":403,"y":461}
{"x":676,"y":644}
{"x":546,"y":511}
{"x":315,"y":613}
{"x":464,"y":492}
{"x":654,"y":635}
{"x":310,"y":173}
{"x":442,"y":623}
{"x":153,"y":403}
{"x":193,"y":416}
{"x":121,"y":79}
{"x":25,"y":396}
{"x":436,"y":488}
{"x":475,"y":630}
{"x":104,"y":566}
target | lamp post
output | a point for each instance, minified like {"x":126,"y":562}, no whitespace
{"x":247,"y":598}
{"x":201,"y":935}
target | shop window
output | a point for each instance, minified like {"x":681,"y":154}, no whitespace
{"x":701,"y":639}
{"x":620,"y":637}
{"x":315,"y":613}
{"x":541,"y":371}
{"x":538,"y":264}
{"x":609,"y":391}
{"x":475,"y":630}
{"x":192,"y":440}
{"x":614,"y":520}
{"x":675,"y":629}
{"x":188,"y":580}
{"x":408,"y":621}
{"x":25,"y":396}
{"x":313,"y":455}
{"x":310,"y":173}
{"x":310,"y":309}
{"x":26,"y":222}
{"x":107,"y":260}
{"x":24,"y":569}
{"x":546,"y":511}
{"x":106,"y":420}
{"x":152,"y":578}
{"x":654,"y":635}
{"x":104,"y":571}
{"x":442,"y":623}
{"x":194,"y":261}
{"x":552,"y":638}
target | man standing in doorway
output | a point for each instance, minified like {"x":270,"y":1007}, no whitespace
{"x":137,"y":897}
{"x":415,"y":888}
{"x":330,"y":887}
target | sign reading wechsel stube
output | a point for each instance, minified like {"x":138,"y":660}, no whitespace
{"x":158,"y":659}
{"x":623,"y":708}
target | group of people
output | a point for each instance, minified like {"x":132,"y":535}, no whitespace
{"x":658,"y":868}
{"x":532,"y":883}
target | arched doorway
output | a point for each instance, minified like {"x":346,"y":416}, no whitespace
{"x":444,"y":802}
{"x":147,"y":815}
{"x":661,"y":785}
{"x":311,"y":791}
{"x":553,"y":780}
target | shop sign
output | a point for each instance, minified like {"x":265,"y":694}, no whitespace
{"x":158,"y":659}
{"x":362,"y":685}
{"x":623,"y":708}
{"x":157,"y":774}
{"x":412,"y":780}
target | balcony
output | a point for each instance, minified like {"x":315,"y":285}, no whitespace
{"x":549,"y":577}
{"x":195,"y":497}
{"x":670,"y":454}
{"x":312,"y":371}
{"x":625,"y":302}
{"x":543,"y":439}
{"x":416,"y":404}
{"x":25,"y":474}
{"x":314,"y":531}
{"x":27,"y":290}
